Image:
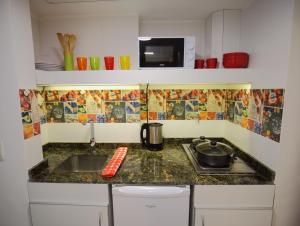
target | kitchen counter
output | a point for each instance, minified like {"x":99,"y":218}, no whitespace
{"x":170,"y":166}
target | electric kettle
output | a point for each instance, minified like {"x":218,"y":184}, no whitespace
{"x":154,"y":139}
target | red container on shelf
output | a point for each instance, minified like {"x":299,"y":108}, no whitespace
{"x":211,"y":63}
{"x":235,"y":60}
{"x":199,"y":63}
{"x":109,"y":62}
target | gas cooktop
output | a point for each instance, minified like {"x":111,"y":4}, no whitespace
{"x":237,"y":165}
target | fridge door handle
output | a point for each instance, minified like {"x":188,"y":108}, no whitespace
{"x":151,"y":191}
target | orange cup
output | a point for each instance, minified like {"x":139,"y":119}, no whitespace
{"x":82,"y":63}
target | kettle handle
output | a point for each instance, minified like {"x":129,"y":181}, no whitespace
{"x":145,"y":126}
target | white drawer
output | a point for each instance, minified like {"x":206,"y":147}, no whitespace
{"x":234,"y":196}
{"x":240,"y":217}
{"x":61,"y":193}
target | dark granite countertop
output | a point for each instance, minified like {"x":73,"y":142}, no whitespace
{"x":170,"y":166}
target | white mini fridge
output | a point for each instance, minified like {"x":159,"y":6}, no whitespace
{"x":151,"y":205}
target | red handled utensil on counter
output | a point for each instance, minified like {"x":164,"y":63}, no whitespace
{"x":113,"y":165}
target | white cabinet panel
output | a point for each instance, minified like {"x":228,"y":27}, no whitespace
{"x":68,"y":215}
{"x":215,"y":217}
{"x":233,"y":205}
{"x":64,"y":193}
{"x":234,"y":196}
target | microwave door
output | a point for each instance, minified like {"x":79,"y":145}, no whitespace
{"x":162,"y":52}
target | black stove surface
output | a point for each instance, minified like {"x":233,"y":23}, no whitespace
{"x":237,"y":166}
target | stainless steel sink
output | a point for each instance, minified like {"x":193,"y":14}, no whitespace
{"x":82,"y":163}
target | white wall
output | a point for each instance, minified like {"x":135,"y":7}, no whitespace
{"x":231,"y":30}
{"x":208,"y":37}
{"x":96,"y":36}
{"x":130,"y":132}
{"x":261,"y":148}
{"x":214,"y":28}
{"x":14,"y":201}
{"x":176,"y":28}
{"x":223,"y":29}
{"x":266,"y":35}
{"x":35,"y":26}
{"x":287,"y":205}
{"x":24,"y":59}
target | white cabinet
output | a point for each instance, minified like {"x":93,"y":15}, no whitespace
{"x":68,"y":215}
{"x":219,"y":217}
{"x":59,"y":204}
{"x":223,"y":31}
{"x":233,"y":205}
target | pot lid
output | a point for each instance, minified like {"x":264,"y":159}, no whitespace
{"x":214,"y":148}
{"x":199,"y":140}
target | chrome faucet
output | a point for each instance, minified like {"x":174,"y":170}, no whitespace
{"x":92,"y":139}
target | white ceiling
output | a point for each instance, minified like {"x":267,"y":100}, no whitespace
{"x":146,"y":9}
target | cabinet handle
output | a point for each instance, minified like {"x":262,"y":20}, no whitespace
{"x":202,"y":221}
{"x":100,"y":219}
{"x":193,"y":216}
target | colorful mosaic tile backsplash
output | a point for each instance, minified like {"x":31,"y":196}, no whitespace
{"x":30,"y":113}
{"x":258,"y":110}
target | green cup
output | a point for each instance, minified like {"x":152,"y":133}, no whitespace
{"x":68,"y":62}
{"x":95,"y":63}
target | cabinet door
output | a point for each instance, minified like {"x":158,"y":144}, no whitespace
{"x":68,"y":215}
{"x":215,"y":217}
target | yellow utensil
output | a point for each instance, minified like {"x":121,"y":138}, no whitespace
{"x":61,"y":40}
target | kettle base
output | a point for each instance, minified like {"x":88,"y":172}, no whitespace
{"x":155,"y":147}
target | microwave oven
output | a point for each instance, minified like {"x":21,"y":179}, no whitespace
{"x":166,"y":52}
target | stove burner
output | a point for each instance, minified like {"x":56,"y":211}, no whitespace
{"x":237,"y":166}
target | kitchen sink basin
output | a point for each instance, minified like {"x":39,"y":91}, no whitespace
{"x":82,"y":163}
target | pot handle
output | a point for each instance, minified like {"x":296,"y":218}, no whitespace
{"x":145,"y":126}
{"x":234,"y":156}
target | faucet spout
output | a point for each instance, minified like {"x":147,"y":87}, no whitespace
{"x":92,"y":129}
{"x":92,"y":139}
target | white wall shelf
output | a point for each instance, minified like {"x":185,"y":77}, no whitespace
{"x":153,"y":76}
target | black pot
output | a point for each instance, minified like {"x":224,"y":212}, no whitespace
{"x":214,"y":154}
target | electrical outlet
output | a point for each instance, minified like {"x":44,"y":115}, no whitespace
{"x":1,"y":151}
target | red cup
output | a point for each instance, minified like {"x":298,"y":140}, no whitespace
{"x":211,"y":63}
{"x":82,"y":63}
{"x":109,"y":62}
{"x":199,"y":63}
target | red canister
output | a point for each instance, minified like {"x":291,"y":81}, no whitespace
{"x":235,"y":60}
{"x":199,"y":63}
{"x":211,"y":63}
